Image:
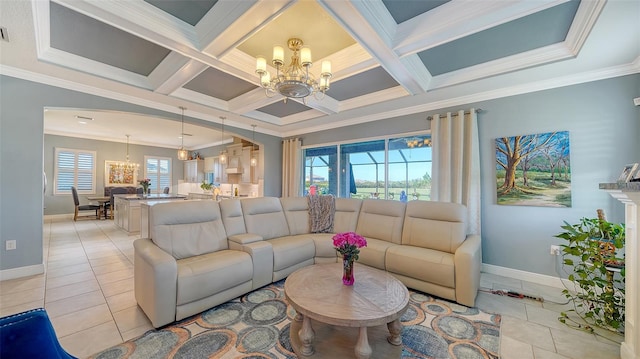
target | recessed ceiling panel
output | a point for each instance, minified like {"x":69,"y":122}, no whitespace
{"x":374,"y":80}
{"x":305,"y":20}
{"x":403,"y":10}
{"x":189,"y":11}
{"x":219,"y":84}
{"x":280,"y":109}
{"x":84,"y":36}
{"x":543,"y":28}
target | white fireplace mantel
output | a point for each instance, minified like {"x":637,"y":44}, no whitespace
{"x":629,"y":194}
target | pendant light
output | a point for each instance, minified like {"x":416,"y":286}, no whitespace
{"x":223,"y":153}
{"x":254,"y":160}
{"x":182,"y":153}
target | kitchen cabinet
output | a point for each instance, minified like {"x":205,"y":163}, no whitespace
{"x":194,"y":171}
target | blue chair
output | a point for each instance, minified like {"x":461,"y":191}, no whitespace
{"x":30,"y":335}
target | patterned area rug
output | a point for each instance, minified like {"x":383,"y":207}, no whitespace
{"x":256,"y":325}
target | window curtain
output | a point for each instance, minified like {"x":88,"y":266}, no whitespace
{"x":456,"y":163}
{"x":291,"y":167}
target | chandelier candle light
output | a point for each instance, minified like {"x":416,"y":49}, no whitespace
{"x":293,"y":81}
{"x":348,"y":244}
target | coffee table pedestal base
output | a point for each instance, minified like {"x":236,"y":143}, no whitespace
{"x":334,"y":342}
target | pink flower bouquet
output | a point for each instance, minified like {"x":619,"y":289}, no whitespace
{"x":348,"y":244}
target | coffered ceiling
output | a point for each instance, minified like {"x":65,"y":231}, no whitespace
{"x":389,"y":57}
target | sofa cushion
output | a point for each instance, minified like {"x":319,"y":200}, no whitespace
{"x":232,"y":217}
{"x":205,"y":275}
{"x":291,"y":250}
{"x":324,"y":245}
{"x":296,"y":211}
{"x":374,"y":253}
{"x":381,"y":219}
{"x":435,"y":225}
{"x":346,"y":216}
{"x":187,"y":228}
{"x":264,"y":216}
{"x":427,"y":265}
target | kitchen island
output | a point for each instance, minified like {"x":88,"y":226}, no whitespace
{"x":127,"y":208}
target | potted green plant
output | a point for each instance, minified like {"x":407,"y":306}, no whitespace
{"x":592,"y":252}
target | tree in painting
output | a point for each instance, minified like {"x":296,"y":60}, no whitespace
{"x":534,"y":170}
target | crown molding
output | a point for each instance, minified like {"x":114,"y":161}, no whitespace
{"x":506,"y":91}
{"x":584,"y":20}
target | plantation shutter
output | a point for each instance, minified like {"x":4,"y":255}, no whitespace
{"x":74,"y":168}
{"x":158,"y":169}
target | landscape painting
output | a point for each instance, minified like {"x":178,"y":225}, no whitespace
{"x":534,"y":170}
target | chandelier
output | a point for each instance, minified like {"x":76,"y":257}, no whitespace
{"x":293,"y":81}
{"x":182,"y":153}
{"x":128,"y":167}
{"x":418,"y":142}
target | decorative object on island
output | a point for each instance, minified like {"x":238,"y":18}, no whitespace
{"x":145,"y":183}
{"x":182,"y":153}
{"x":348,"y":244}
{"x":293,"y":81}
{"x":223,"y":153}
{"x":597,"y":273}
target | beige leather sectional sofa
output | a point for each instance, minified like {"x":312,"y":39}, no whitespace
{"x":204,"y":253}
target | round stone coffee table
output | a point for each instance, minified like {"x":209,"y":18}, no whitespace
{"x":328,"y":312}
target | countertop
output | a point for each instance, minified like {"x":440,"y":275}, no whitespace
{"x":153,"y":196}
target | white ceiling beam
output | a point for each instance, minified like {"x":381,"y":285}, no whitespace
{"x":459,"y":18}
{"x":359,"y":20}
{"x":229,"y":23}
{"x":174,"y":72}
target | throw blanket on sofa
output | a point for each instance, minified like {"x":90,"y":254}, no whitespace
{"x":321,"y":211}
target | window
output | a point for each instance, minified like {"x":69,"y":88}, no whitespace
{"x":391,"y":168}
{"x":158,"y":169}
{"x":75,"y":168}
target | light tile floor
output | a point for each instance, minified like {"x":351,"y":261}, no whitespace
{"x":88,"y":293}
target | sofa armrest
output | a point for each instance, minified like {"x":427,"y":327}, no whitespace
{"x":468,"y":261}
{"x":155,"y":274}
{"x":245,"y":238}
{"x":262,"y":257}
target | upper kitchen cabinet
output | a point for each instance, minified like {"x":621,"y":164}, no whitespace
{"x":194,"y":171}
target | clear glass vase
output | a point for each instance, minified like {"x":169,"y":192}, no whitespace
{"x":347,"y":270}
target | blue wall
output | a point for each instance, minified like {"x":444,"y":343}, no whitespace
{"x":22,"y":157}
{"x":604,"y":130}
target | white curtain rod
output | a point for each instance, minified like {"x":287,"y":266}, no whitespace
{"x":429,"y":118}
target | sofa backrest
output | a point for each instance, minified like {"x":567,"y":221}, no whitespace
{"x":264,"y":216}
{"x":232,"y":216}
{"x":187,"y":228}
{"x":296,"y":211}
{"x":346,"y":216}
{"x":435,"y":225}
{"x":381,"y":219}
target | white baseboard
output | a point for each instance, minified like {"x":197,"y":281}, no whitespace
{"x":20,"y":272}
{"x":543,"y":279}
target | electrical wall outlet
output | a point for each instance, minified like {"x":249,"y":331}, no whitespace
{"x":10,"y":244}
{"x":555,"y":250}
